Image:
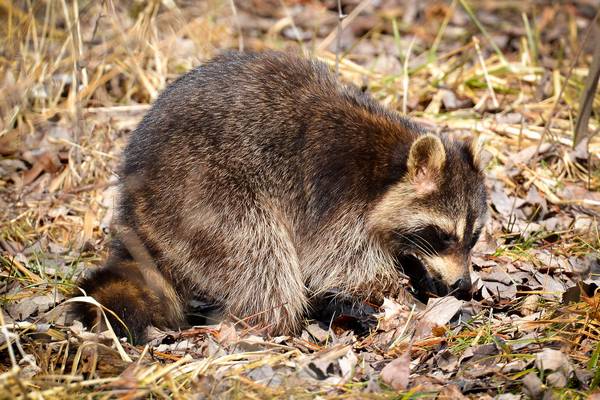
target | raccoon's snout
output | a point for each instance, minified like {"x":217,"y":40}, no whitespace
{"x":462,"y":289}
{"x":426,"y":284}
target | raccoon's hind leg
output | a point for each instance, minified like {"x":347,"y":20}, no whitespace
{"x":138,"y":294}
{"x":257,"y":276}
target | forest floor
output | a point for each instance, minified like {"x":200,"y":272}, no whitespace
{"x":77,"y":76}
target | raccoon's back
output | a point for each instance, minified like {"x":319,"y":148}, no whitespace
{"x":267,"y":124}
{"x":239,"y":111}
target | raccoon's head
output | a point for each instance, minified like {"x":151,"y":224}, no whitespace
{"x":434,"y":215}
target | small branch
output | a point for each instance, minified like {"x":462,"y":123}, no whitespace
{"x":587,"y":97}
{"x":485,"y":73}
{"x":347,"y":20}
{"x":79,"y":73}
{"x":338,"y":42}
{"x":405,"y":80}
{"x":295,"y":29}
{"x":238,"y":25}
{"x":562,"y":89}
{"x":485,"y":33}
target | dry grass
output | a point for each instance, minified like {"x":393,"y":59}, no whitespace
{"x":76,"y":77}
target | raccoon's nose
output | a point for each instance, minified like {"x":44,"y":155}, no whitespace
{"x":461,"y":289}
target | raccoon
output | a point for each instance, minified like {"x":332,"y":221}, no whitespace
{"x":259,"y":181}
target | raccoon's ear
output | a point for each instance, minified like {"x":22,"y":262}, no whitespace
{"x":475,"y":147}
{"x":425,"y":161}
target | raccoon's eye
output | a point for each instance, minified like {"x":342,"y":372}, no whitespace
{"x":430,"y":239}
{"x":474,"y":238}
{"x":444,"y":236}
{"x":443,"y":241}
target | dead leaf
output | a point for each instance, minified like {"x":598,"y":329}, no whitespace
{"x":575,"y":293}
{"x":447,"y":361}
{"x":556,"y":379}
{"x":500,"y":290}
{"x":504,"y":204}
{"x":530,"y":304}
{"x":317,"y":332}
{"x":527,"y":153}
{"x":480,"y":351}
{"x":29,"y":367}
{"x":508,"y":396}
{"x":551,"y":286}
{"x":515,"y":366}
{"x":265,"y":374}
{"x":46,"y":162}
{"x":553,"y":360}
{"x":594,"y":303}
{"x":227,"y":334}
{"x":394,"y":314}
{"x":10,"y":142}
{"x":576,"y":191}
{"x":30,"y":306}
{"x":533,"y":385}
{"x":509,"y":118}
{"x":348,"y":364}
{"x":496,"y":275}
{"x":450,"y":392}
{"x":181,"y":347}
{"x":325,"y":365}
{"x":396,"y":374}
{"x":452,"y":102}
{"x":428,"y":383}
{"x":439,"y":312}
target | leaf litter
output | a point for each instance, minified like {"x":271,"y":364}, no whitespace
{"x":533,"y":327}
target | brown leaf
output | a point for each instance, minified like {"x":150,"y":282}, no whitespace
{"x":439,"y":312}
{"x":10,"y":143}
{"x":530,"y":305}
{"x":576,"y":293}
{"x":396,"y":374}
{"x":447,"y":361}
{"x":575,"y":191}
{"x":394,"y":314}
{"x":450,"y":392}
{"x":533,"y":385}
{"x":227,"y":334}
{"x":317,"y":332}
{"x":525,"y":155}
{"x":594,"y":303}
{"x":45,"y":162}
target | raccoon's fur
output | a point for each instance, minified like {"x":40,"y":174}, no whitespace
{"x":258,"y":180}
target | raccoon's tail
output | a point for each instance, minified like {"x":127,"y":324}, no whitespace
{"x":137,"y":293}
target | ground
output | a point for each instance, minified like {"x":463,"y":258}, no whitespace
{"x":76,"y":77}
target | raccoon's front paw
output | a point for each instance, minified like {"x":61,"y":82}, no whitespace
{"x":345,"y":311}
